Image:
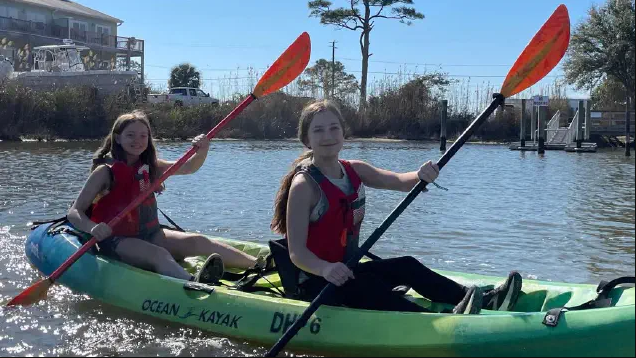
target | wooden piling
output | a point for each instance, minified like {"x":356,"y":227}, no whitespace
{"x":533,"y":123}
{"x":522,"y":124}
{"x":628,"y":148}
{"x":579,"y":127}
{"x":588,"y":119}
{"x":543,"y":114}
{"x":443,"y":117}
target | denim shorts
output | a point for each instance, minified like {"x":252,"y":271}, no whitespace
{"x":108,"y":247}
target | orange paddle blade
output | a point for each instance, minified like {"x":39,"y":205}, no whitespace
{"x":286,"y":68}
{"x":541,"y":55}
{"x":33,"y":294}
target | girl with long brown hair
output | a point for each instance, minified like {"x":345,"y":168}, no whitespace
{"x":319,"y":209}
{"x":123,"y":167}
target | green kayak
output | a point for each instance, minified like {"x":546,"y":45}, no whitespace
{"x":263,"y":317}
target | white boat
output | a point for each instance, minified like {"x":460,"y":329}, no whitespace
{"x":56,"y":66}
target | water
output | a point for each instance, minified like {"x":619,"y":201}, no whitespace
{"x":561,"y":217}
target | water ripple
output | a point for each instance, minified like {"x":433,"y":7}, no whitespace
{"x":561,"y":217}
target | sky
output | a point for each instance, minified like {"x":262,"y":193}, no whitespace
{"x":472,"y":41}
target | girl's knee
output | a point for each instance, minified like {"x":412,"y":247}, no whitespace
{"x":157,"y":256}
{"x":160,"y":253}
{"x":410,"y":260}
{"x":198,"y":238}
{"x":143,"y":254}
{"x":412,"y":263}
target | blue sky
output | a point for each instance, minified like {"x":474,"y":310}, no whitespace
{"x":463,"y":38}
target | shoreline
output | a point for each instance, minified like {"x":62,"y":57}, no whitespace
{"x":354,"y":139}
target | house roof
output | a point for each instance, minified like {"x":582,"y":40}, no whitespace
{"x":71,"y":7}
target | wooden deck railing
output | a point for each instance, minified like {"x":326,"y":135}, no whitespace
{"x":87,"y":37}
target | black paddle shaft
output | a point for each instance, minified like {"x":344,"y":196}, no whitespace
{"x":375,"y":236}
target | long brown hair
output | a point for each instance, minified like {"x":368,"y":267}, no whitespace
{"x":279,"y":220}
{"x":110,"y":147}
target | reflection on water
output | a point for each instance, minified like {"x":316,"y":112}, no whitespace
{"x":562,"y":217}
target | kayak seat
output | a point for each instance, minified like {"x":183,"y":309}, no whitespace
{"x":530,"y":301}
{"x":556,"y":299}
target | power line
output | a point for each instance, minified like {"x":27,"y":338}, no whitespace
{"x":214,"y":45}
{"x":370,"y":72}
{"x":207,"y":79}
{"x":424,"y":64}
{"x":353,"y":71}
{"x":448,"y":75}
{"x":213,"y":69}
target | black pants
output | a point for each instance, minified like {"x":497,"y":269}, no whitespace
{"x":374,"y":282}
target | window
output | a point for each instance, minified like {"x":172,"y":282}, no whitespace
{"x":36,"y":17}
{"x":78,"y":30}
{"x":102,"y":29}
{"x":103,"y":34}
{"x":37,"y":20}
{"x":179,"y":91}
{"x":201,"y":93}
{"x":193,"y":92}
{"x":78,"y":25}
{"x":11,"y":12}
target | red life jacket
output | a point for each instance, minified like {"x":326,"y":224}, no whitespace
{"x":127,"y":182}
{"x":335,"y":236}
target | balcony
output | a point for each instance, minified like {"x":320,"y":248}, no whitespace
{"x":88,"y":38}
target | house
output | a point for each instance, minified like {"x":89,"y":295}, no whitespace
{"x":25,"y":24}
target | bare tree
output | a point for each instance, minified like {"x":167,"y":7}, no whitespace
{"x":361,"y":16}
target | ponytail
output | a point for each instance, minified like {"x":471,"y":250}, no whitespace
{"x":101,"y":155}
{"x":279,"y":220}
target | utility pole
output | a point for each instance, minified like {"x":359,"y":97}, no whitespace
{"x":333,"y":68}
